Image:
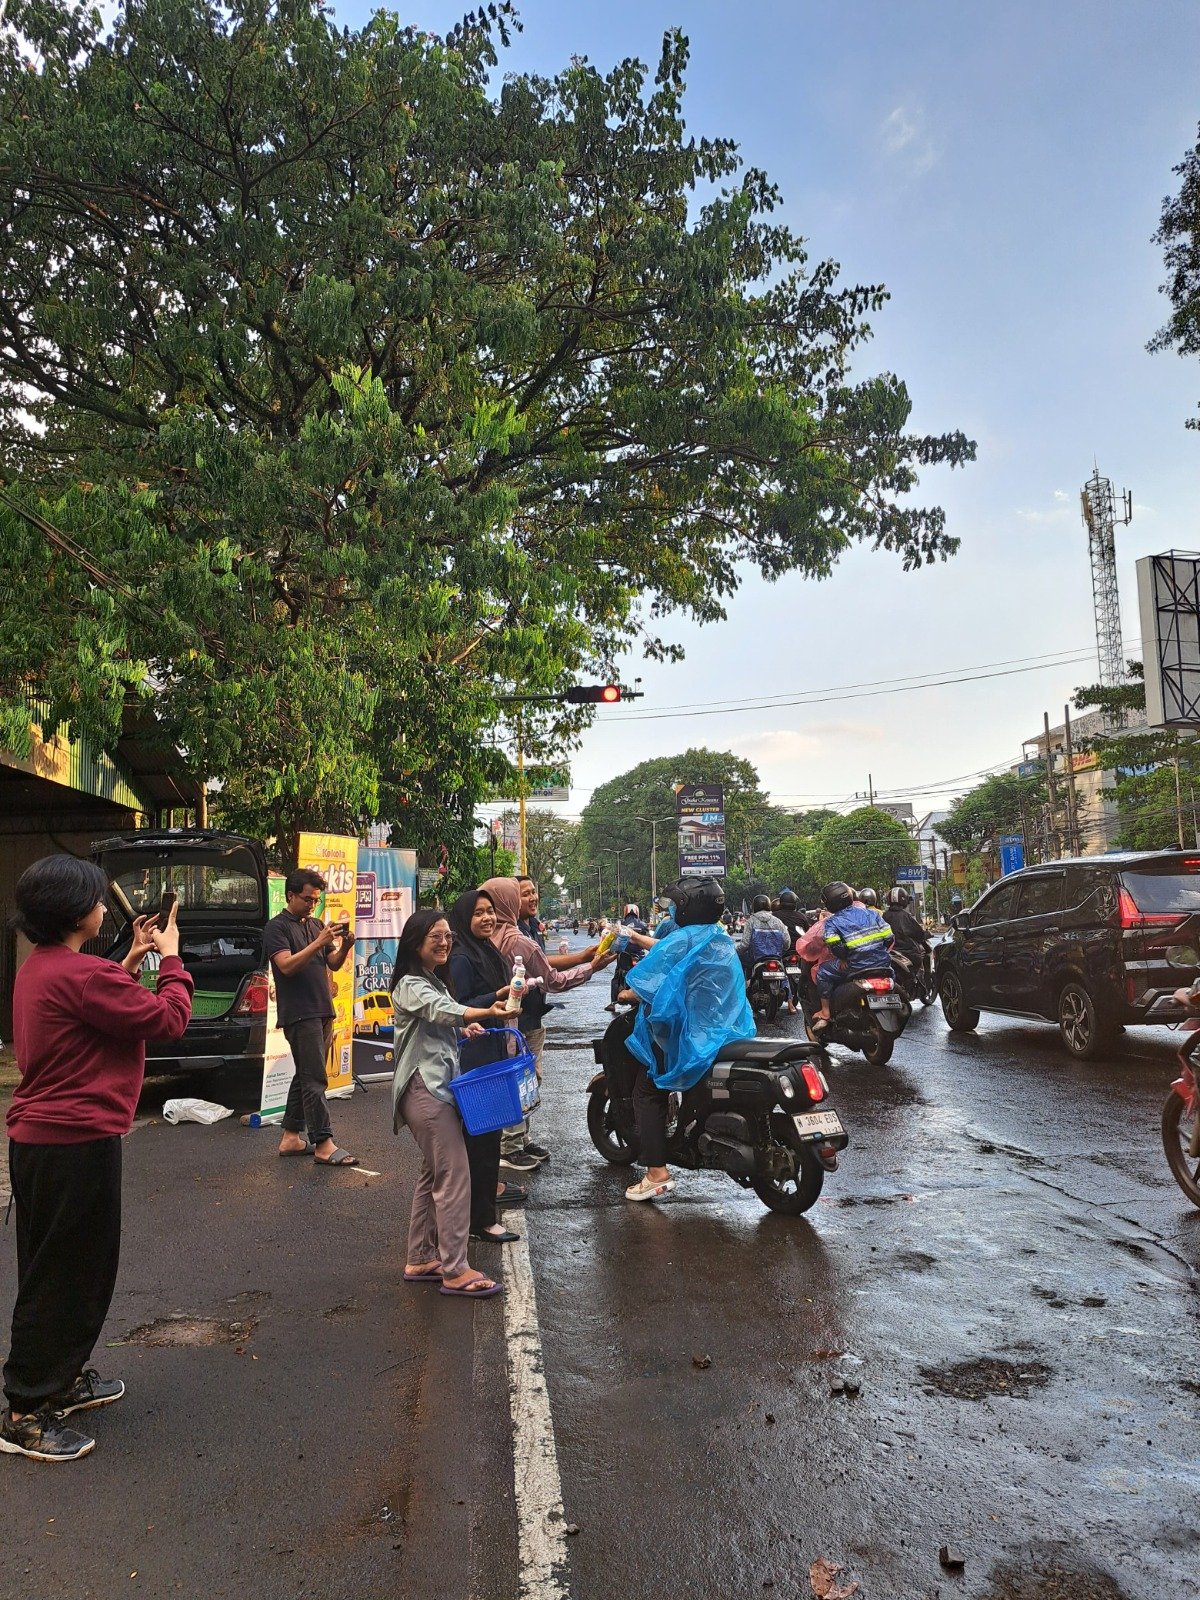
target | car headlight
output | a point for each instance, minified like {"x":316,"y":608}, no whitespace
{"x":787,"y":1088}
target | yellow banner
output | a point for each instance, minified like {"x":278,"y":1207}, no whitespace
{"x":336,"y":859}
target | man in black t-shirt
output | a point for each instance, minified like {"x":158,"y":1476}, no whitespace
{"x":303,"y":952}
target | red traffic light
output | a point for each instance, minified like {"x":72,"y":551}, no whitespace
{"x":582,"y":694}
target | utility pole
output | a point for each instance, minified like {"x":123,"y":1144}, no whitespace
{"x":1072,"y":795}
{"x":1055,"y":836}
{"x":1178,"y":798}
{"x":521,"y":867}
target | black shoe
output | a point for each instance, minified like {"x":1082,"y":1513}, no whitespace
{"x":42,"y":1436}
{"x":89,"y":1391}
{"x":506,"y":1236}
{"x":537,"y":1151}
{"x":518,"y":1161}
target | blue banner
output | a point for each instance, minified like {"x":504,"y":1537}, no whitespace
{"x":1012,"y":853}
{"x":387,"y":893}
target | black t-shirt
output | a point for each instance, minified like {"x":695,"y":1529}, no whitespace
{"x":305,"y":993}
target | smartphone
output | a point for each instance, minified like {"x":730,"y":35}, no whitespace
{"x":165,"y":907}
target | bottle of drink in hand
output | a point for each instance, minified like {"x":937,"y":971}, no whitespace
{"x":517,"y":985}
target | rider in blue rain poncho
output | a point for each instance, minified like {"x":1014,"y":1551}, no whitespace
{"x":693,"y":1002}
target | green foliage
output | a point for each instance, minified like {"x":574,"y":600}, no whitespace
{"x":806,"y":823}
{"x":1179,"y":235}
{"x":366,"y":388}
{"x":618,"y":817}
{"x":790,"y":865}
{"x":1146,"y":800}
{"x":480,"y":869}
{"x":551,"y":848}
{"x":995,"y":806}
{"x":864,"y":849}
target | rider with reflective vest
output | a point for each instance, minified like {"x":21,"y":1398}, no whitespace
{"x":857,"y":935}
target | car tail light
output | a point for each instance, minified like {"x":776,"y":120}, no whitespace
{"x":814,"y":1083}
{"x":254,"y":998}
{"x":881,"y":985}
{"x":1128,"y":915}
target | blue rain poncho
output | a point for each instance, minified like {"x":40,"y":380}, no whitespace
{"x":693,"y":994}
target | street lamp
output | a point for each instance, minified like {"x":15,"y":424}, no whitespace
{"x":653,"y":823}
{"x":623,"y":851}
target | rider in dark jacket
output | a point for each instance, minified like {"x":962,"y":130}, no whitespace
{"x":912,"y":941}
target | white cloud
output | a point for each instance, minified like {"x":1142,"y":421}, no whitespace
{"x":801,"y":744}
{"x":1063,"y":507}
{"x":906,"y":140}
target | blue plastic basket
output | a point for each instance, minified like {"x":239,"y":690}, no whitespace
{"x":499,"y":1094}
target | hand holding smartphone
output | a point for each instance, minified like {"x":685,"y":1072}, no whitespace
{"x":165,"y":907}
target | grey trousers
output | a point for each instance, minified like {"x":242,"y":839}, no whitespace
{"x":441,"y":1205}
{"x":306,"y":1103}
{"x":516,"y":1137}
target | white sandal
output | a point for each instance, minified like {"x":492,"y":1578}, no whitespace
{"x":650,"y":1188}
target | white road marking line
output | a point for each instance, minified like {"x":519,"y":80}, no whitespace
{"x":541,"y":1524}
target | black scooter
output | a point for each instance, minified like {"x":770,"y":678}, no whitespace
{"x":915,"y":979}
{"x":761,"y":1115}
{"x":868,"y":1013}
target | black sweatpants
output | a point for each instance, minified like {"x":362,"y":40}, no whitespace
{"x":483,"y":1158}
{"x":67,"y":1199}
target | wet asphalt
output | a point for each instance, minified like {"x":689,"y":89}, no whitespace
{"x":1002,"y":1265}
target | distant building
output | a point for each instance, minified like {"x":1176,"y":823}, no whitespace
{"x":1095,"y":803}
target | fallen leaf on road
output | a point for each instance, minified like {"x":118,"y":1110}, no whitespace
{"x":822,"y":1575}
{"x":701,"y":1361}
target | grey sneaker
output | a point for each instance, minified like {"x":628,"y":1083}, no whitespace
{"x":517,"y":1161}
{"x":42,"y":1436}
{"x":89,"y":1391}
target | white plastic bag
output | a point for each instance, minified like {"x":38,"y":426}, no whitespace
{"x":188,"y":1110}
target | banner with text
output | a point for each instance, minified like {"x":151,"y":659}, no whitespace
{"x":701,"y":812}
{"x":336,"y":859}
{"x":387,"y":893}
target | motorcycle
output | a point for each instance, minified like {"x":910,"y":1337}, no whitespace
{"x":760,"y":1115}
{"x":1181,"y":1119}
{"x":915,"y":980}
{"x":867,"y":1013}
{"x":768,"y":987}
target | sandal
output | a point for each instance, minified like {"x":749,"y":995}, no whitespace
{"x":477,"y":1288}
{"x":650,"y":1188}
{"x":512,"y":1194}
{"x":301,"y":1150}
{"x":337,"y":1158}
{"x":432,"y":1274}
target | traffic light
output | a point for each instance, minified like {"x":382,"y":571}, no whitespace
{"x":583,"y":694}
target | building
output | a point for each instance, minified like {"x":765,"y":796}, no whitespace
{"x":1084,"y":778}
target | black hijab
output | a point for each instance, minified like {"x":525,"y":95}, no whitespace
{"x":487,"y":964}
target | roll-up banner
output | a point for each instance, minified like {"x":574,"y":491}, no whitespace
{"x":387,"y":890}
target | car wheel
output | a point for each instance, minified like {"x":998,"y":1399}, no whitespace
{"x":960,"y":1017}
{"x":1083,"y":1031}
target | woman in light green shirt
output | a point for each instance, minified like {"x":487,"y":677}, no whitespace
{"x":428,"y":1023}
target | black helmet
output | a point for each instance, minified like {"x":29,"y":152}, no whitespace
{"x":761,"y":902}
{"x":697,"y":901}
{"x":837,"y":896}
{"x":868,"y":897}
{"x":787,"y":898}
{"x":898,"y":897}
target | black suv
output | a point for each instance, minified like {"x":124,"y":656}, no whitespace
{"x":220,"y":880}
{"x":1092,"y":944}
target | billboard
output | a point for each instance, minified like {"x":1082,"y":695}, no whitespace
{"x":1169,"y":603}
{"x":700,"y":808}
{"x":336,"y":859}
{"x":387,"y":894}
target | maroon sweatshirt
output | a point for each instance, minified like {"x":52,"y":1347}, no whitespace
{"x":79,"y":1028}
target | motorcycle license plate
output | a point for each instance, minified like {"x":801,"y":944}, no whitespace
{"x":775,"y":977}
{"x":817,"y":1124}
{"x":793,"y":972}
{"x":885,"y":1002}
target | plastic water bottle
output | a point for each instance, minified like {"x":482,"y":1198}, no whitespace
{"x":517,"y":985}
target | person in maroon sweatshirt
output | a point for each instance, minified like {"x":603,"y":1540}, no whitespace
{"x":79,"y":1028}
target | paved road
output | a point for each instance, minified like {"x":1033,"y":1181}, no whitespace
{"x":999,"y":1206}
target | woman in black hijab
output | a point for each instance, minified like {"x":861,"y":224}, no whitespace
{"x":477,"y":969}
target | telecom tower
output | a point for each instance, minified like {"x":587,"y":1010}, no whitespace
{"x":1100,"y":519}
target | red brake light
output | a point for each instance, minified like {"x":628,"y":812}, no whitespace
{"x":254,"y":998}
{"x":772,"y":966}
{"x":813,"y":1082}
{"x":1128,"y":915}
{"x":879,"y":984}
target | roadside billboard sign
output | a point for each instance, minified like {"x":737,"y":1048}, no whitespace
{"x":912,"y":874}
{"x":700,"y":808}
{"x":1012,"y":853}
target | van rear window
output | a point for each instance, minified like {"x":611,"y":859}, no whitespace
{"x":198,"y":887}
{"x":1164,"y":891}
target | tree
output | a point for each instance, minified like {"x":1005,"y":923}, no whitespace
{"x":350,"y":391}
{"x":618,"y":817}
{"x":1153,"y":813}
{"x":790,"y":865}
{"x":809,"y":822}
{"x":551,"y":847}
{"x":1179,"y":235}
{"x":865,"y":848}
{"x":1004,"y":803}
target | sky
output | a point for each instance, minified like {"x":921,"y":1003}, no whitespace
{"x":1002,"y":170}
